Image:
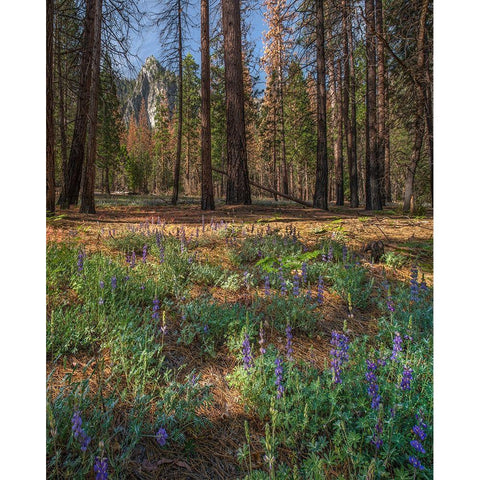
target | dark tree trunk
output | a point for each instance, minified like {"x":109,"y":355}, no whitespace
{"x":320,"y":196}
{"x":61,"y":110}
{"x":176,"y":170}
{"x":388,"y":182}
{"x":238,"y":186}
{"x":372,"y":171}
{"x":338,"y":145}
{"x":71,"y":187}
{"x":50,"y":204}
{"x":381,"y":99}
{"x":419,"y":126}
{"x":88,"y":188}
{"x":282,"y":127}
{"x":208,"y":201}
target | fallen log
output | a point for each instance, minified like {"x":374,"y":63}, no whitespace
{"x":271,"y":190}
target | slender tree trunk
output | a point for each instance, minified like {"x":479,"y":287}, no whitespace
{"x":88,"y":200}
{"x":176,"y":171}
{"x":320,"y":197}
{"x":50,"y":204}
{"x":372,"y":170}
{"x":419,"y":126}
{"x":71,"y":187}
{"x":275,"y":178}
{"x":388,"y":182}
{"x":381,"y":98}
{"x":282,"y":127}
{"x":208,"y":201}
{"x":337,"y":126}
{"x":238,"y":186}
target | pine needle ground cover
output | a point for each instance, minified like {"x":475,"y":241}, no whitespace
{"x":255,"y":343}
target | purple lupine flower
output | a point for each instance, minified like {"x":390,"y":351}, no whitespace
{"x":373,"y":384}
{"x":161,"y":436}
{"x":102,"y":284}
{"x":101,"y":468}
{"x":417,"y":446}
{"x":377,"y":440}
{"x":144,"y":254}
{"x":155,"y":308}
{"x":330,"y":253}
{"x":247,"y":354}
{"x":114,"y":282}
{"x":205,"y":328}
{"x":142,"y":286}
{"x":245,"y":278}
{"x":419,"y":432}
{"x":414,"y":284}
{"x":279,"y":377}
{"x":267,"y":285}
{"x":339,"y":354}
{"x":79,"y":432}
{"x":304,"y":272}
{"x":423,"y":285}
{"x":296,"y":285}
{"x":324,"y":257}
{"x":397,"y":346}
{"x":320,"y":290}
{"x":390,"y":305}
{"x":416,"y":463}
{"x":101,"y":301}
{"x":81,"y":258}
{"x":132,"y":260}
{"x":344,"y":253}
{"x":261,"y":341}
{"x":406,"y":378}
{"x":288,"y":332}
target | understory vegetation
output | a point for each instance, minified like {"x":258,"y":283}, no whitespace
{"x":137,"y":322}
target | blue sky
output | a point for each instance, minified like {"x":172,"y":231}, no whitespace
{"x":146,"y":42}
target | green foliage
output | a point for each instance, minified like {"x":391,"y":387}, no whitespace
{"x":394,"y":260}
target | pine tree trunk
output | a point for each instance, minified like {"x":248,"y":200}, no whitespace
{"x":176,"y":171}
{"x":372,"y":170}
{"x":338,"y":143}
{"x":282,"y":128}
{"x":381,"y":99}
{"x":320,"y":196}
{"x":238,"y":186}
{"x":88,"y":188}
{"x":50,"y":170}
{"x":73,"y":175}
{"x":208,"y":201}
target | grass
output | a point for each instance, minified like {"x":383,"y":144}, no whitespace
{"x":158,"y":344}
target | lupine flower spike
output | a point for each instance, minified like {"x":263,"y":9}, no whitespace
{"x":339,"y":354}
{"x":161,"y":436}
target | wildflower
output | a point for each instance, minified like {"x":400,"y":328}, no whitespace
{"x":132,"y":260}
{"x":261,"y":341}
{"x":142,"y":286}
{"x":205,"y":328}
{"x":144,"y":254}
{"x":344,"y":253}
{"x":304,"y":272}
{"x":163,"y":328}
{"x":406,"y":378}
{"x":419,"y":432}
{"x":101,"y":468}
{"x":423,"y":285}
{"x":373,"y":384}
{"x":101,"y":301}
{"x":414,"y":284}
{"x":296,"y":285}
{"x":330,"y":254}
{"x":247,"y":353}
{"x":416,"y":463}
{"x":79,"y":432}
{"x":114,"y":282}
{"x":245,"y":278}
{"x":339,"y":354}
{"x":102,"y":284}
{"x":320,"y":290}
{"x":279,"y":377}
{"x":155,"y":308}
{"x":81,"y":258}
{"x":267,"y":286}
{"x":397,"y":346}
{"x":283,"y":285}
{"x":376,"y":440}
{"x":162,"y":253}
{"x":417,"y":446}
{"x":161,"y":436}
{"x":288,"y":332}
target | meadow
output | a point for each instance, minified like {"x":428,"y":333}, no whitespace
{"x":256,"y":342}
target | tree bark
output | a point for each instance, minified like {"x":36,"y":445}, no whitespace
{"x":338,"y":141}
{"x":71,"y":187}
{"x":372,"y":170}
{"x":238,"y":187}
{"x":208,"y":201}
{"x":50,"y":203}
{"x":88,"y":188}
{"x":381,"y":99}
{"x":176,"y":170}
{"x":320,"y":196}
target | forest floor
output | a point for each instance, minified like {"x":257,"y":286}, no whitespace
{"x":407,"y":237}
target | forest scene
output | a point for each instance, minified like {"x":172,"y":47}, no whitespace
{"x":239,"y":239}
